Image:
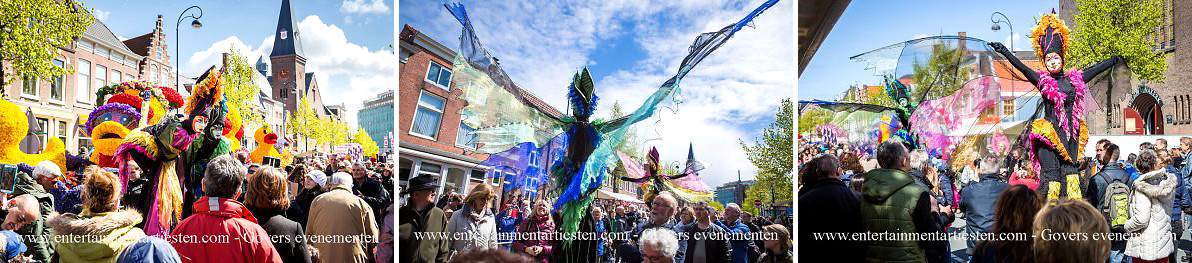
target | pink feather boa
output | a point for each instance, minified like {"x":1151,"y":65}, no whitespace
{"x":1050,"y":88}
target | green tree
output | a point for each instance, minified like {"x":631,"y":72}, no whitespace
{"x":32,"y":31}
{"x":240,"y":89}
{"x":716,"y":205}
{"x":627,"y":146}
{"x":812,"y":118}
{"x":773,"y":156}
{"x":370,"y":146}
{"x":935,"y":79}
{"x":304,"y":122}
{"x":1106,"y":28}
{"x":769,"y":188}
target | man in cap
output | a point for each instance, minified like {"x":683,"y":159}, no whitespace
{"x":420,"y":215}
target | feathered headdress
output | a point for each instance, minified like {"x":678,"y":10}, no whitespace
{"x":582,"y":94}
{"x":206,"y":100}
{"x":1050,"y":35}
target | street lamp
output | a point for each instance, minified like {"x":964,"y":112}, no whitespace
{"x":996,"y":28}
{"x":195,"y":24}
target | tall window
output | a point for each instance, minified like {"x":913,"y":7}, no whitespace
{"x":62,"y":130}
{"x":44,"y":125}
{"x":29,"y":85}
{"x":1008,"y":108}
{"x":464,"y":136}
{"x":428,"y":116}
{"x":101,"y":76}
{"x":57,"y":86}
{"x":117,"y":76}
{"x":83,"y":81}
{"x":439,"y":75}
{"x":153,"y":74}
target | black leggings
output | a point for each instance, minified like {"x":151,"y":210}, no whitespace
{"x":1052,"y":168}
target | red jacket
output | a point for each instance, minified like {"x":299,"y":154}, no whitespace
{"x":197,"y":238}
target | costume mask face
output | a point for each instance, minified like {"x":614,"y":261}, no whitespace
{"x":1054,"y":62}
{"x":200,"y":123}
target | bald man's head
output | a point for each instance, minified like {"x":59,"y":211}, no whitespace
{"x":22,"y":210}
{"x":662,"y":209}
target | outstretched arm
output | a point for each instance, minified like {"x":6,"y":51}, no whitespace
{"x":1092,"y":71}
{"x":1031,"y":75}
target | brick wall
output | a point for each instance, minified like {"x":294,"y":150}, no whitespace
{"x":412,"y":83}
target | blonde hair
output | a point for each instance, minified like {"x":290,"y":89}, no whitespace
{"x":482,"y":191}
{"x":267,"y":189}
{"x":101,"y":190}
{"x":1066,"y":216}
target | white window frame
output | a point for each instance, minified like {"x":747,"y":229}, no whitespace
{"x":414,"y":120}
{"x":153,"y":74}
{"x":457,"y":133}
{"x":441,"y":69}
{"x":102,"y":76}
{"x":83,"y":76}
{"x":62,"y":86}
{"x":119,"y":76}
{"x":87,"y":46}
{"x":61,"y":130}
{"x":36,"y":88}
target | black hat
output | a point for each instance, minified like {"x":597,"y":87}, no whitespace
{"x":422,"y":182}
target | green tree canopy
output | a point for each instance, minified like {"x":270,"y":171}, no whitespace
{"x":240,"y":89}
{"x":773,"y":156}
{"x":32,"y":31}
{"x":1106,"y":28}
{"x":939,"y":76}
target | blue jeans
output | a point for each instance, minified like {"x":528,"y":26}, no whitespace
{"x":1116,"y":256}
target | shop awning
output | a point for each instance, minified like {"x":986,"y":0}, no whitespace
{"x":602,"y":194}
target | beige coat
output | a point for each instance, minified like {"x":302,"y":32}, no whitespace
{"x":339,"y":213}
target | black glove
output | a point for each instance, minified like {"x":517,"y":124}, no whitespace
{"x":997,"y":46}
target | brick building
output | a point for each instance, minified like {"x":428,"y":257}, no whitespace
{"x":1148,"y":107}
{"x":60,"y":105}
{"x":155,"y":61}
{"x":425,"y":90}
{"x":432,"y":140}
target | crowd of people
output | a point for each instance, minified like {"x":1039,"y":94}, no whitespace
{"x":1131,"y":210}
{"x":661,"y":231}
{"x":314,"y":211}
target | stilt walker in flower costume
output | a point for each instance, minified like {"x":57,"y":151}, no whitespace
{"x":590,"y":144}
{"x":1058,"y":138}
{"x":206,"y":110}
{"x":111,"y":122}
{"x":154,"y":149}
{"x":685,"y":186}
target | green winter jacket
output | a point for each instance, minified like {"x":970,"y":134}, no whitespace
{"x":37,"y":234}
{"x":888,"y":200}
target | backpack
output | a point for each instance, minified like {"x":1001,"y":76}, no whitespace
{"x":1115,"y":204}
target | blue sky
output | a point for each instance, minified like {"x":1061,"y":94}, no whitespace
{"x":346,"y":42}
{"x":868,"y":25}
{"x":632,"y":47}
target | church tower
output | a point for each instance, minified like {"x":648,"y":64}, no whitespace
{"x":288,"y":64}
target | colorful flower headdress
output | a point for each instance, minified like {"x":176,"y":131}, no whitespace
{"x":1050,"y":35}
{"x":163,"y":94}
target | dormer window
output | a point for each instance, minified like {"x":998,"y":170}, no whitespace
{"x":283,"y":34}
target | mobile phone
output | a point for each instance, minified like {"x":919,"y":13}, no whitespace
{"x":8,"y":178}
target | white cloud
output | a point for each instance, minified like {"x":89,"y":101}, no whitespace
{"x":364,"y":6}
{"x":340,"y":66}
{"x":101,"y":15}
{"x":741,"y":83}
{"x":1019,"y":41}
